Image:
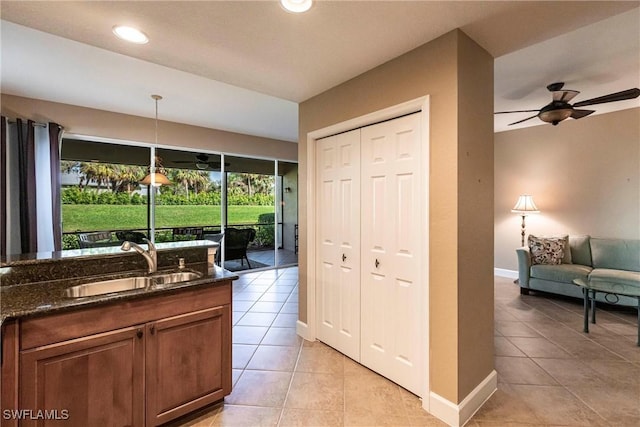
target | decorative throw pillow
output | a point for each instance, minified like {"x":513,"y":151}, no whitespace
{"x":566,"y":259}
{"x":546,"y":250}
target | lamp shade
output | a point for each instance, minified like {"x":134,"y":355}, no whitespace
{"x":159,"y":179}
{"x":525,"y":205}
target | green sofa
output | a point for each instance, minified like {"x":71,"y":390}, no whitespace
{"x":612,"y":263}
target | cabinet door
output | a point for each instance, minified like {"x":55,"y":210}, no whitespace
{"x":188,"y":363}
{"x":391,"y":250}
{"x":338,"y":234}
{"x":93,"y":381}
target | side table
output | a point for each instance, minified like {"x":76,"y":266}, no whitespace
{"x":589,"y":291}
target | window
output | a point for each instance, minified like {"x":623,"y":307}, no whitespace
{"x":102,"y":196}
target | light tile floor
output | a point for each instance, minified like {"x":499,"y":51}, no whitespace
{"x":549,"y":372}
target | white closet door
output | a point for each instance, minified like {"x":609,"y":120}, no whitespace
{"x":338,"y":234}
{"x":391,"y":233}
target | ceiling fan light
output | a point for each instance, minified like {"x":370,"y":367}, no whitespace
{"x":202,"y":166}
{"x":555,"y":116}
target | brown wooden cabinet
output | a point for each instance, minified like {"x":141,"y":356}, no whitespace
{"x":91,"y":381}
{"x":136,"y":363}
{"x":185,"y":363}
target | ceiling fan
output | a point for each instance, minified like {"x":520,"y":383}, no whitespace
{"x":202,"y":162}
{"x":559,"y":108}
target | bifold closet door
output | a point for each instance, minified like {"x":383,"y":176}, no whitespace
{"x":338,"y":237}
{"x":391,"y":250}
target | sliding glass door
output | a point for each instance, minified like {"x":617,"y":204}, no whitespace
{"x":248,"y":205}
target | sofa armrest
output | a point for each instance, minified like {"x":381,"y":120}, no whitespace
{"x":524,"y":266}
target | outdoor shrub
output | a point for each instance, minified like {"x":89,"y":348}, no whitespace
{"x":106,"y":198}
{"x":137,"y":199}
{"x":122,"y":199}
{"x":70,"y":241}
{"x":267,"y":218}
{"x":265,"y":234}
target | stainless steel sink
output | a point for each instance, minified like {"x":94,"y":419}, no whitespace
{"x":108,"y":286}
{"x":177,"y":277}
{"x":129,"y":283}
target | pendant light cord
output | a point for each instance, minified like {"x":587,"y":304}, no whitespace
{"x":156,"y":98}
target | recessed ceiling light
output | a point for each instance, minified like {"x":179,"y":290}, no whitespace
{"x":296,"y":6}
{"x":130,"y":34}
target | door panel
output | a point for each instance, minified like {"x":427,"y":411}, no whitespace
{"x":338,"y":231}
{"x":187,"y":364}
{"x":97,"y":380}
{"x":390,"y":227}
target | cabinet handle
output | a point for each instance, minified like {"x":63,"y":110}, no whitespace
{"x":344,"y":257}
{"x":377,"y":263}
{"x":139,"y":333}
{"x":153,"y":329}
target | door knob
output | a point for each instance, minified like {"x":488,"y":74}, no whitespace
{"x":139,"y":333}
{"x":344,"y":257}
{"x":377,"y":263}
{"x":153,"y":329}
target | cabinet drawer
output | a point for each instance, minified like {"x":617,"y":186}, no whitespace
{"x":53,"y":328}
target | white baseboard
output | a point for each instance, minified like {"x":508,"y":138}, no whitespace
{"x":503,"y":272}
{"x":457,"y":415}
{"x":302,"y":329}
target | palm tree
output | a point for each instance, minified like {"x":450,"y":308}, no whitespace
{"x":126,"y":177}
{"x":200,"y":181}
{"x":104,"y":174}
{"x":183,"y":177}
{"x":89,"y":170}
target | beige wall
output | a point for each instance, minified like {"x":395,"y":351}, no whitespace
{"x":475,"y":221}
{"x":584,"y":176}
{"x":105,"y":124}
{"x":458,"y":76}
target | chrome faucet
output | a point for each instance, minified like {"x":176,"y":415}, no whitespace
{"x":150,"y":255}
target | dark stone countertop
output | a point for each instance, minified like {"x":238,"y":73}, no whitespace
{"x":41,"y":298}
{"x":89,"y":253}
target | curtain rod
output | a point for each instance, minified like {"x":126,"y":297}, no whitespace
{"x":42,"y":125}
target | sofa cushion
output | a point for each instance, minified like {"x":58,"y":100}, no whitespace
{"x":546,"y":250}
{"x":616,"y":254}
{"x":564,"y":273}
{"x":580,"y":250}
{"x":615,"y":281}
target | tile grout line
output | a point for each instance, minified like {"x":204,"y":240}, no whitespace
{"x":558,"y":344}
{"x":286,"y":396}
{"x":566,"y":388}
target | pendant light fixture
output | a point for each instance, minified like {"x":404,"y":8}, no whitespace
{"x":155,"y":177}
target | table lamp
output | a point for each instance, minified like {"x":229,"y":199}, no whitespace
{"x":525,"y":206}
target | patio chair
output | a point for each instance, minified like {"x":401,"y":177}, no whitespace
{"x":236,"y":241}
{"x":188,"y":231}
{"x":215,"y":237}
{"x":96,"y":240}
{"x":131,"y":236}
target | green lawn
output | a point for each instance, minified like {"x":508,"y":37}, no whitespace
{"x":118,"y":217}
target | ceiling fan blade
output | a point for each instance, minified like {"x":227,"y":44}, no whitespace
{"x":564,"y":95}
{"x":612,"y":97}
{"x":578,"y":114}
{"x":523,"y":120}
{"x":516,"y":111}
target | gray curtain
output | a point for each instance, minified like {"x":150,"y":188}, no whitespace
{"x":30,"y":187}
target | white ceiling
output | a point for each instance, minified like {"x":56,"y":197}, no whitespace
{"x":242,"y":65}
